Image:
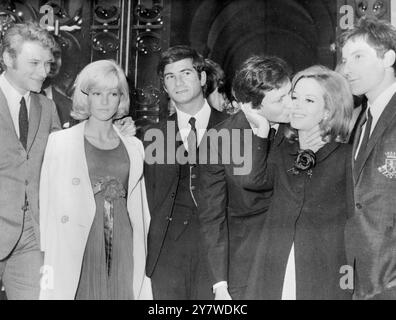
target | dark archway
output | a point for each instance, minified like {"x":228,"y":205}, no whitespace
{"x":299,"y":31}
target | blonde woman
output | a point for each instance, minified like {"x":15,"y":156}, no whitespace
{"x":93,"y":208}
{"x":301,"y":253}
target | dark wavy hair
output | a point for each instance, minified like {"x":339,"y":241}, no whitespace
{"x":379,"y":34}
{"x":258,"y":75}
{"x":177,"y":53}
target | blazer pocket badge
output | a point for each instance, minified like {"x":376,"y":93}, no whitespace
{"x":389,"y":168}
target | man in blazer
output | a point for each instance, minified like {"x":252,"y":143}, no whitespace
{"x":368,"y":53}
{"x":176,"y":259}
{"x":26,"y":119}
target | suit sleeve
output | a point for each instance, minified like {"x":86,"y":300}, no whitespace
{"x":260,"y":177}
{"x":213,"y":219}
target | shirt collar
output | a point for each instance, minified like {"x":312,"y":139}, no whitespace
{"x":201,"y":117}
{"x":201,"y":123}
{"x":379,"y":104}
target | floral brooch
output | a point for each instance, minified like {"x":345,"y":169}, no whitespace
{"x":304,"y":162}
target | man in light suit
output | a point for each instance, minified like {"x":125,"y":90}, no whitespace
{"x":368,"y":55}
{"x":176,"y":260}
{"x":26,"y":119}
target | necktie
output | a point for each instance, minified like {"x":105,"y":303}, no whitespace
{"x":192,"y":142}
{"x":23,"y":123}
{"x":271,"y":134}
{"x":366,"y":137}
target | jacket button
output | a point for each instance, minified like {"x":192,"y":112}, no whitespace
{"x":26,"y":183}
{"x":193,"y":176}
{"x":185,"y":222}
{"x":25,"y":207}
{"x":65,"y":219}
{"x":193,"y":187}
{"x":358,"y":206}
{"x":173,"y":194}
{"x":168,"y":218}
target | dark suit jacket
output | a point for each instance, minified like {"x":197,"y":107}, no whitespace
{"x":231,"y":216}
{"x":63,"y":107}
{"x":20,"y":168}
{"x":371,"y":232}
{"x":162,"y":181}
{"x":309,"y":211}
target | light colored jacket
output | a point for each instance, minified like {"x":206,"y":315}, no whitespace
{"x":20,"y":168}
{"x":67,"y":210}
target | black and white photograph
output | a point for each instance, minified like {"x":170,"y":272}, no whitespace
{"x":198,"y":155}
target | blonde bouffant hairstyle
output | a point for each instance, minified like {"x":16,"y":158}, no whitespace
{"x":338,"y":101}
{"x":97,"y":74}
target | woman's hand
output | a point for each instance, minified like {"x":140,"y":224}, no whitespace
{"x":126,"y":126}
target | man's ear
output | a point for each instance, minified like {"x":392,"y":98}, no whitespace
{"x":7,"y":59}
{"x":389,"y":58}
{"x":203,"y":78}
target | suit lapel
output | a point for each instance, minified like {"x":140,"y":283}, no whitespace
{"x":34,"y":119}
{"x":326,"y":150}
{"x":6,"y":115}
{"x":383,"y":123}
{"x":357,"y":135}
{"x":215,"y":118}
{"x":172,"y":167}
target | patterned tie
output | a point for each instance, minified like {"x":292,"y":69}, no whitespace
{"x":192,"y":142}
{"x":366,"y":137}
{"x":23,"y":123}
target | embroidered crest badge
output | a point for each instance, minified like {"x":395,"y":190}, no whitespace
{"x":389,"y":168}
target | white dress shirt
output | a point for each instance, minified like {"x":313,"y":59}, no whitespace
{"x":201,"y":124}
{"x":13,"y":98}
{"x":376,"y":109}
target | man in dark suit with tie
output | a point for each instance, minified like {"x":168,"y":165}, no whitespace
{"x":368,"y":54}
{"x":62,"y":102}
{"x":232,"y":217}
{"x":26,"y":119}
{"x":176,"y":261}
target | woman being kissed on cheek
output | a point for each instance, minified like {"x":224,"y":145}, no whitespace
{"x":302,"y":245}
